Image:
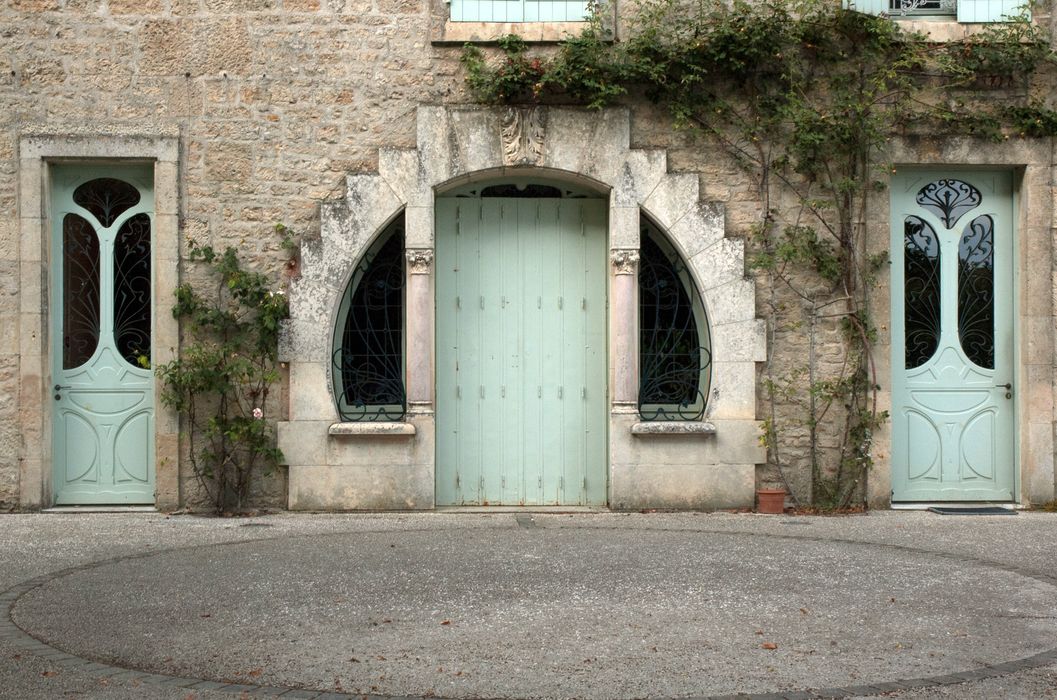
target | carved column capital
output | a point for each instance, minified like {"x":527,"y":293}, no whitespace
{"x":419,"y":260}
{"x":625,"y":262}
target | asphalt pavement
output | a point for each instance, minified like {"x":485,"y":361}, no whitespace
{"x":528,"y":605}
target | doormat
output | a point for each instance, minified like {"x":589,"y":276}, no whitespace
{"x":971,"y":510}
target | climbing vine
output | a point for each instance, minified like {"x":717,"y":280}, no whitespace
{"x":804,"y":97}
{"x":221,"y":382}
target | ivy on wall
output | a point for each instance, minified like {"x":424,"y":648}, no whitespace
{"x":804,"y":96}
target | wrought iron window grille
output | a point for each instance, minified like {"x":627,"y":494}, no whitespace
{"x":674,"y":346}
{"x":368,"y":357}
{"x":904,"y":8}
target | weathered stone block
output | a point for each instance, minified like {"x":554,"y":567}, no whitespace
{"x":310,"y":396}
{"x":303,"y":442}
{"x":740,"y":342}
{"x":701,"y":228}
{"x":624,"y":227}
{"x":719,"y":264}
{"x":672,"y":199}
{"x":732,"y":394}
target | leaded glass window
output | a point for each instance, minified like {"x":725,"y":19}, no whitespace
{"x":976,"y":291}
{"x":80,"y":287}
{"x":921,"y":269}
{"x":674,"y":345}
{"x":368,"y":359}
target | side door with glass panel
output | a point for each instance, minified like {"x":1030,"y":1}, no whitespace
{"x":952,"y":336}
{"x":101,"y":282}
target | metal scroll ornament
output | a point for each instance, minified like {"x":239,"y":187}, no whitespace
{"x":370,"y":360}
{"x":672,"y":358}
{"x":938,"y":7}
{"x":106,"y":198}
{"x":949,"y":199}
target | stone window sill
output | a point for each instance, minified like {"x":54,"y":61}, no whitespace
{"x":490,"y":32}
{"x":939,"y":29}
{"x":376,"y":429}
{"x":673,"y":427}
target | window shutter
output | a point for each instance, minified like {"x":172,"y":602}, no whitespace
{"x":989,"y":10}
{"x":518,"y":10}
{"x":487,"y":11}
{"x":867,"y":7}
{"x":555,"y":10}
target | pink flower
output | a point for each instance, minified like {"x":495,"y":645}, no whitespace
{"x":258,"y":413}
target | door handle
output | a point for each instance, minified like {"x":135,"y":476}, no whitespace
{"x":1007,"y":386}
{"x":58,"y":388}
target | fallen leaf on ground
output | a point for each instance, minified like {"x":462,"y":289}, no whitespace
{"x":446,"y":622}
{"x":770,"y":646}
{"x":49,"y":674}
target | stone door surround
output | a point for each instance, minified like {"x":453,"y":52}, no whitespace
{"x":38,"y":149}
{"x":458,"y":145}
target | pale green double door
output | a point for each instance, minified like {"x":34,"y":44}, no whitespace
{"x":521,"y":351}
{"x":953,"y":378}
{"x":102,"y":398}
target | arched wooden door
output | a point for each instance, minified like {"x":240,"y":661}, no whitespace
{"x":521,"y":348}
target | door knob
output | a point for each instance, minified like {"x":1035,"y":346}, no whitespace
{"x":58,"y":388}
{"x":1008,"y":386}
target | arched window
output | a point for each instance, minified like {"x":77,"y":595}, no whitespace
{"x":369,"y":337}
{"x":674,"y":346}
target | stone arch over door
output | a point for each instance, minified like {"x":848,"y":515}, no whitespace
{"x":703,"y":464}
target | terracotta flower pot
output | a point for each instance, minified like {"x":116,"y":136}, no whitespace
{"x":771,"y":501}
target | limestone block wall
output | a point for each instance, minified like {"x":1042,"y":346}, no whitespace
{"x":274,"y":103}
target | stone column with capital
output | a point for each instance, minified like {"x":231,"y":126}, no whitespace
{"x":419,"y":324}
{"x":625,"y":327}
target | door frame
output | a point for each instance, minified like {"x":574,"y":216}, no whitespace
{"x":896,"y":344}
{"x":37,"y":153}
{"x":139,"y":175}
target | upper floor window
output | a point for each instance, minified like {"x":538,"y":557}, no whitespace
{"x":969,"y":11}
{"x":518,"y":10}
{"x":922,"y":7}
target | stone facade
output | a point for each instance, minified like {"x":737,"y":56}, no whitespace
{"x":333,"y":116}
